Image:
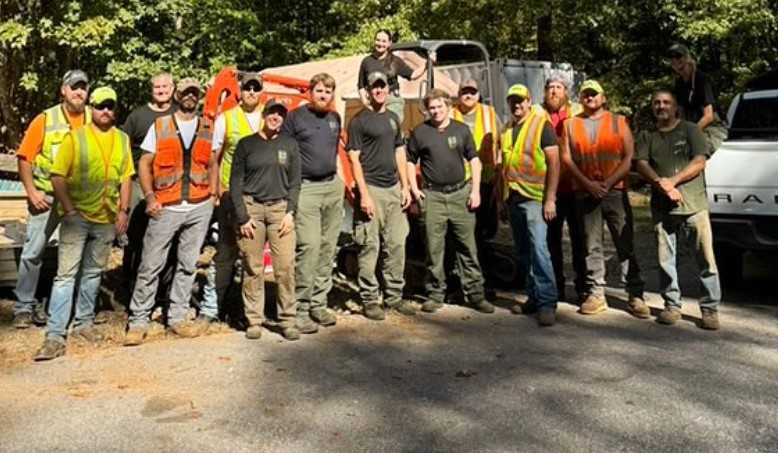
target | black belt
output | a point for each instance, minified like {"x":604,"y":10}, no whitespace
{"x":446,"y":188}
{"x":269,"y":202}
{"x":327,"y":178}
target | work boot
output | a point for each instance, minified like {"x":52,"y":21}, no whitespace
{"x":669,"y":316}
{"x":39,"y":316}
{"x":546,"y":317}
{"x":431,"y":306}
{"x":134,"y":336}
{"x":324,"y":316}
{"x":254,"y":332}
{"x":89,"y":334}
{"x":23,"y":320}
{"x":710,"y":319}
{"x":186,"y":329}
{"x":374,"y":312}
{"x":593,"y":305}
{"x":51,"y":349}
{"x":306,"y":325}
{"x":638,"y":308}
{"x":404,"y":308}
{"x":102,"y":317}
{"x":290,"y":333}
{"x":483,"y":306}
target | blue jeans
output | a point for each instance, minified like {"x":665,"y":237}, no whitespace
{"x":529,"y":238}
{"x":695,"y":231}
{"x":84,"y":248}
{"x":40,"y":227}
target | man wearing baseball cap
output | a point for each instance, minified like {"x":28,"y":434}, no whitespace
{"x":35,"y":159}
{"x":597,"y":149}
{"x":229,"y":128}
{"x":557,"y":104}
{"x":175,"y":175}
{"x":530,"y":174}
{"x":484,"y":125}
{"x":264,"y":191}
{"x":377,"y":153}
{"x":91,"y":177}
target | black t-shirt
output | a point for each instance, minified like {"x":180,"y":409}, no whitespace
{"x":137,"y":125}
{"x":265,"y":169}
{"x":375,"y":136}
{"x":317,"y":135}
{"x":442,"y":152}
{"x":547,"y":137}
{"x":391,"y":65}
{"x":693,"y":96}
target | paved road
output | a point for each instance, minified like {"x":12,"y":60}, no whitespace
{"x":457,"y":381}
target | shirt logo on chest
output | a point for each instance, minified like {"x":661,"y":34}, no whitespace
{"x":452,"y":142}
{"x":333,"y":126}
{"x":282,"y":157}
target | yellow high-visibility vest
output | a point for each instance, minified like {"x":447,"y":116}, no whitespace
{"x":236,"y":126}
{"x":524,"y":163}
{"x":94,"y":180}
{"x":484,"y":135}
{"x":56,"y":128}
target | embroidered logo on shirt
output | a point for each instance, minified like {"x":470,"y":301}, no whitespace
{"x":333,"y":126}
{"x":282,"y":157}
{"x":679,"y":147}
{"x":452,"y":142}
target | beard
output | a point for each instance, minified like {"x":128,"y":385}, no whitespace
{"x":555,"y":103}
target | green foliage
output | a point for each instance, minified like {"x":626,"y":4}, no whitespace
{"x":124,"y":42}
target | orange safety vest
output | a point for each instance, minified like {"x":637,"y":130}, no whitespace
{"x":172,"y":184}
{"x":599,"y":159}
{"x":484,"y":136}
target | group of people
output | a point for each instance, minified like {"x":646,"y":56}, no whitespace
{"x":265,"y":174}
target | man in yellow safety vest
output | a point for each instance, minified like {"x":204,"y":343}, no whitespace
{"x":91,"y":178}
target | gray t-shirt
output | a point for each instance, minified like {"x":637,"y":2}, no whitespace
{"x":670,"y":152}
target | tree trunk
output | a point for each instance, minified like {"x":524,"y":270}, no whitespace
{"x":545,"y":41}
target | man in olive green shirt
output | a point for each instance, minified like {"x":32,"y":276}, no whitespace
{"x":673,"y":158}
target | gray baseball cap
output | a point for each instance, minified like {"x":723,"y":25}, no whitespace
{"x":275,"y":104}
{"x":74,"y":76}
{"x":375,"y":76}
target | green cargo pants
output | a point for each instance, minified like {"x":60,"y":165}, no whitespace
{"x":443,"y":212}
{"x":317,"y":224}
{"x":386,"y":233}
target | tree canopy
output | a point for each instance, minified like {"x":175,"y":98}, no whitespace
{"x":124,"y":42}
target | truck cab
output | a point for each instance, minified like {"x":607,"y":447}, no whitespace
{"x":742,"y":182}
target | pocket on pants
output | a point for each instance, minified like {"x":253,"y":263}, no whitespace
{"x":361,"y":233}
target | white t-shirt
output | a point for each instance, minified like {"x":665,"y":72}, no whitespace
{"x":188,"y":130}
{"x":220,"y":128}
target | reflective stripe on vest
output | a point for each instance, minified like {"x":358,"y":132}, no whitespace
{"x":600,"y":158}
{"x":236,"y":126}
{"x":171,"y":184}
{"x":524,"y":163}
{"x":55,"y":129}
{"x":93,"y":184}
{"x":484,"y":132}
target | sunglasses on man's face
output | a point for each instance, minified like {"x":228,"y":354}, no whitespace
{"x":470,"y":91}
{"x":252,"y":86}
{"x":108,"y":105}
{"x":194,"y":92}
{"x":79,"y":86}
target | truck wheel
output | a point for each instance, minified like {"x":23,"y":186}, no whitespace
{"x":729,"y":260}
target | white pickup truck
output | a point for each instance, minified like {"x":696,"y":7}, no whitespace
{"x":742,"y":182}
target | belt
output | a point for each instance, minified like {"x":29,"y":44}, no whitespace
{"x":446,"y":188}
{"x":269,"y":202}
{"x":327,"y":178}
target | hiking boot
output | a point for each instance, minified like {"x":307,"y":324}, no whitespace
{"x":306,"y":325}
{"x":669,"y":316}
{"x":23,"y":320}
{"x":254,"y":332}
{"x":90,"y":334}
{"x":431,"y":306}
{"x":710,"y":319}
{"x":186,"y":329}
{"x":290,"y":333}
{"x":203,"y":322}
{"x":374,"y":312}
{"x":546,"y":317}
{"x":51,"y":349}
{"x":39,"y":316}
{"x":483,"y":306}
{"x":324,"y":316}
{"x":404,"y":308}
{"x":638,"y":308}
{"x":134,"y":336}
{"x":593,"y":305}
{"x":102,"y":317}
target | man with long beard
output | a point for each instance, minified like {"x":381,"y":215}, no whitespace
{"x":320,"y":209}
